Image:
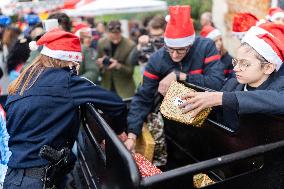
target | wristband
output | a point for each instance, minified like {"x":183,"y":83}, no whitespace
{"x":177,"y":75}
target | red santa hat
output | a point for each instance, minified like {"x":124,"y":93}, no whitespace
{"x":267,"y":39}
{"x":210,"y":32}
{"x":60,"y":45}
{"x":179,"y":31}
{"x":275,"y":13}
{"x":81,"y":27}
{"x":242,"y":22}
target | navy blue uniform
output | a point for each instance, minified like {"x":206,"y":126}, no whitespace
{"x":226,"y":59}
{"x":48,"y":114}
{"x":201,"y":64}
{"x":268,"y":98}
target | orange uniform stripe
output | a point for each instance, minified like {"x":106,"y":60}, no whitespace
{"x":227,"y":71}
{"x":149,"y":75}
{"x":196,"y":71}
{"x":212,"y":58}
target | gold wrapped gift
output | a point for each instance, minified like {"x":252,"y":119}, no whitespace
{"x":201,"y":180}
{"x":170,"y":106}
{"x":145,"y":144}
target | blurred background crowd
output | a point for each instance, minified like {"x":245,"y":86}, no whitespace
{"x":117,"y":38}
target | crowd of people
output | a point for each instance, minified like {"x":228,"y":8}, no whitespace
{"x":53,"y":72}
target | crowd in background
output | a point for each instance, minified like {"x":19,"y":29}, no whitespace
{"x":104,"y":41}
{"x":110,"y":59}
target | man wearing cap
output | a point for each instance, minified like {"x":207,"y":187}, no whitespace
{"x":184,"y":57}
{"x":114,"y":62}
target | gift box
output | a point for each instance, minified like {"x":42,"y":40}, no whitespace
{"x":201,"y":180}
{"x":146,"y":168}
{"x":145,"y":144}
{"x":170,"y":106}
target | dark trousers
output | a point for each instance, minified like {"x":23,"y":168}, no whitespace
{"x":16,"y":179}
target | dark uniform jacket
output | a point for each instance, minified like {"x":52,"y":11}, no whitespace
{"x":48,"y":114}
{"x":201,"y":64}
{"x":268,"y":98}
{"x":226,"y":59}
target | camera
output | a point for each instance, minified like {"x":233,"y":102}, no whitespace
{"x":157,"y":42}
{"x":145,"y":52}
{"x":106,"y":60}
{"x":148,"y":49}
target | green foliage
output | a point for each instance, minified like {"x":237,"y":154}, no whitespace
{"x":128,"y":16}
{"x":197,"y":8}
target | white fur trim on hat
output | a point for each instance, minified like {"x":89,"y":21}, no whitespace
{"x":167,"y":18}
{"x":239,"y":35}
{"x":62,"y":55}
{"x":277,"y":15}
{"x":213,"y":34}
{"x":260,"y":21}
{"x":261,"y":46}
{"x":180,"y":42}
{"x":254,"y":29}
{"x":33,"y":46}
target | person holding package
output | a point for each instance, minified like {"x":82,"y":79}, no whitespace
{"x":258,"y":87}
{"x":43,"y":109}
{"x":184,"y":57}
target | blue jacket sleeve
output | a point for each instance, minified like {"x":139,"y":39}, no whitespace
{"x":142,"y":102}
{"x":213,"y":70}
{"x":83,"y":91}
{"x":260,"y":101}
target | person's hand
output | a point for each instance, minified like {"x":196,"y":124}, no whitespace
{"x":99,"y":62}
{"x":198,"y":101}
{"x":114,"y":64}
{"x":166,"y":82}
{"x":130,"y":142}
{"x":142,"y":40}
{"x":122,"y":136}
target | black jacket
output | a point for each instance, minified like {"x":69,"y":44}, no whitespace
{"x":201,"y":64}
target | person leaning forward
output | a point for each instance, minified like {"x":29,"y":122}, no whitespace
{"x":43,"y":109}
{"x":184,"y":57}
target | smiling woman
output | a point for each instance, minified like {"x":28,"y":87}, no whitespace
{"x":258,"y":87}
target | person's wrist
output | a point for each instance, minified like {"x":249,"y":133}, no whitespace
{"x":182,"y":76}
{"x":219,"y":99}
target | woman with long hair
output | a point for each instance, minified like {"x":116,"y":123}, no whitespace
{"x":42,"y":108}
